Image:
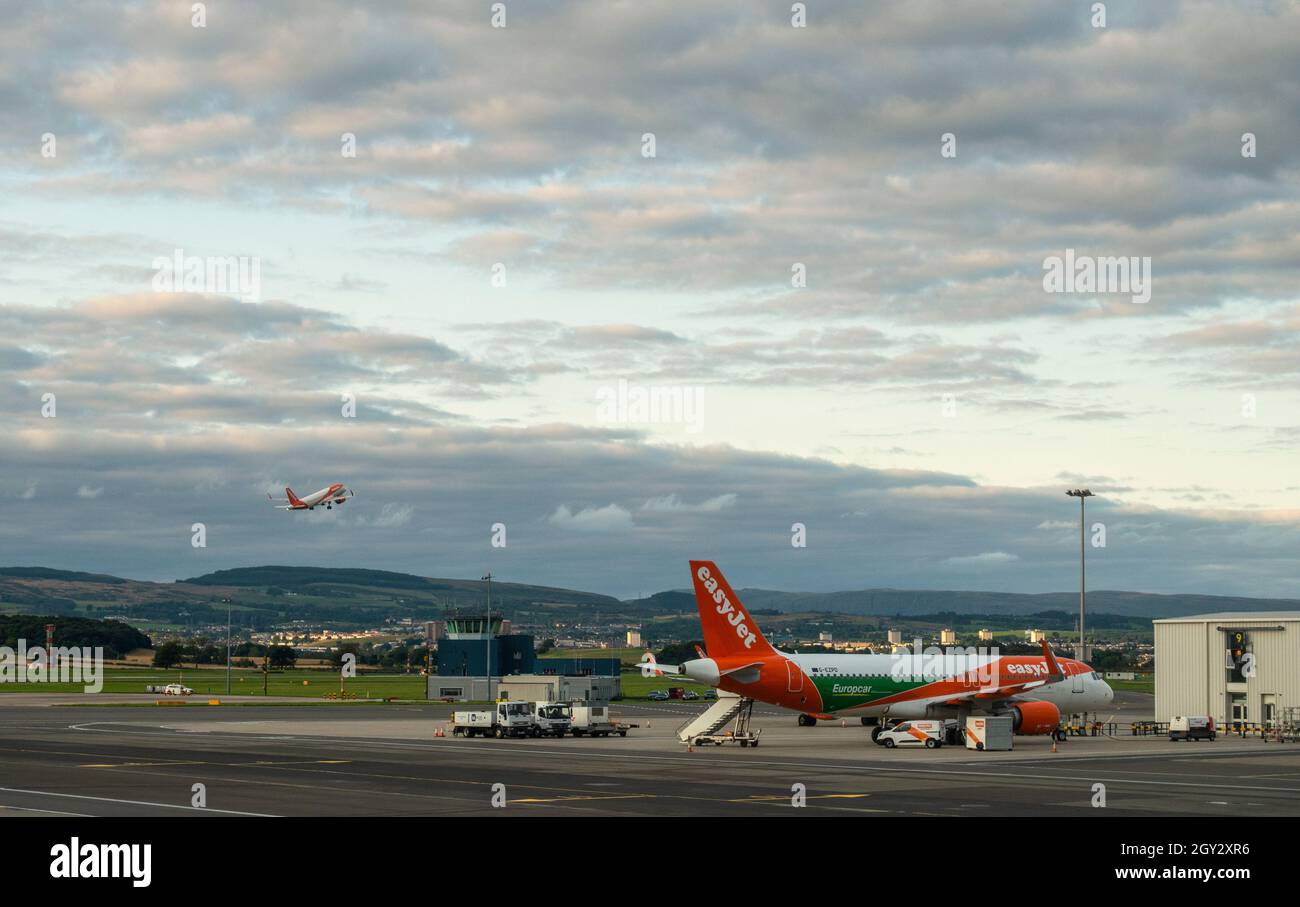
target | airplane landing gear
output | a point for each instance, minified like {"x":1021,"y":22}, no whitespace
{"x":807,"y":721}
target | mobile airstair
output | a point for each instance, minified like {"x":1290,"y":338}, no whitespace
{"x":708,"y":726}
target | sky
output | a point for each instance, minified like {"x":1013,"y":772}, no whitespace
{"x":476,"y":238}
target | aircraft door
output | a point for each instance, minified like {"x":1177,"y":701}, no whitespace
{"x":795,"y":676}
{"x":1077,"y":681}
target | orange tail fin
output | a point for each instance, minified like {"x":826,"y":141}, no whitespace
{"x":728,"y":628}
{"x":293,"y":498}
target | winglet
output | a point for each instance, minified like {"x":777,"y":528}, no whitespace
{"x":1054,"y":671}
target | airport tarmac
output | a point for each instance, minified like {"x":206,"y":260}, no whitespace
{"x":331,"y":760}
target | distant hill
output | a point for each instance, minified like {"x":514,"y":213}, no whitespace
{"x":908,"y":602}
{"x":343,"y":597}
{"x":458,"y":592}
{"x":259,"y":597}
{"x":70,"y":576}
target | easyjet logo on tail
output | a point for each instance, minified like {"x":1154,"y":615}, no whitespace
{"x":734,"y":616}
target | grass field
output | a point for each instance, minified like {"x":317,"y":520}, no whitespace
{"x":636,"y":687}
{"x":1141,"y":685}
{"x":244,"y":682}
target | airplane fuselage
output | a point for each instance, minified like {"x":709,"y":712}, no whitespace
{"x":902,"y":685}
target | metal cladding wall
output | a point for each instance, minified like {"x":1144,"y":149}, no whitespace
{"x":577,"y":667}
{"x":1182,"y":670}
{"x":1192,"y":677}
{"x":468,"y":657}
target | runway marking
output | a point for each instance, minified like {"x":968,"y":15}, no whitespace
{"x":197,"y":809}
{"x":52,"y":812}
{"x":771,"y":797}
{"x":126,"y":764}
{"x":588,"y":797}
{"x":272,"y":763}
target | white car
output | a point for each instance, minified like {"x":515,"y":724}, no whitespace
{"x":175,"y":689}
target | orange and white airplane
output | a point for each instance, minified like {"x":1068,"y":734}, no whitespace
{"x":1035,"y":690}
{"x":326,"y":497}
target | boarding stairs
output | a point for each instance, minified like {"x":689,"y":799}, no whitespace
{"x":710,"y":722}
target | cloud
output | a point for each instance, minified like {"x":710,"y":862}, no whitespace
{"x":986,"y":559}
{"x":391,"y":516}
{"x":610,"y":518}
{"x":671,"y":504}
{"x":85,"y":491}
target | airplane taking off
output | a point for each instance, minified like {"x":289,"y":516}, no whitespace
{"x":1035,"y":690}
{"x":335,"y":494}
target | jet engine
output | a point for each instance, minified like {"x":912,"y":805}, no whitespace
{"x":1035,"y":717}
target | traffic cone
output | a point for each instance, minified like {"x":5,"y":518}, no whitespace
{"x":1053,"y":743}
{"x":843,"y":723}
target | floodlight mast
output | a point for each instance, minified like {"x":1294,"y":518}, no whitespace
{"x":1081,"y":494}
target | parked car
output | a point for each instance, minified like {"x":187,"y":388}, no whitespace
{"x":690,"y":694}
{"x":657,"y":695}
{"x":709,"y":694}
{"x":175,"y":689}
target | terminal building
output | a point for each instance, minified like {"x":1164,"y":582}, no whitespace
{"x":1239,"y":667}
{"x":479,"y":659}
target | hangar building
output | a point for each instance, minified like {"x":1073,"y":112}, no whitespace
{"x":1236,"y":666}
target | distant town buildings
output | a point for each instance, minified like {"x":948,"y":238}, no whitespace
{"x":895,"y":637}
{"x":1035,"y":635}
{"x":947,"y":636}
{"x":634,"y":638}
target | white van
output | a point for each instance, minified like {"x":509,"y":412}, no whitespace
{"x":912,"y":733}
{"x":1191,"y":727}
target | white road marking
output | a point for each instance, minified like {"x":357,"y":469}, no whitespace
{"x":197,"y":809}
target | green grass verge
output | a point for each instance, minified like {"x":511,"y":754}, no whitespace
{"x":244,"y":682}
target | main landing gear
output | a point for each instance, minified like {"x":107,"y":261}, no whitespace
{"x":807,"y":721}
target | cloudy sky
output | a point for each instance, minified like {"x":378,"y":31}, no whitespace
{"x":820,"y":246}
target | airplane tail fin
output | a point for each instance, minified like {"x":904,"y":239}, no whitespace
{"x":293,"y":498}
{"x":728,"y":627}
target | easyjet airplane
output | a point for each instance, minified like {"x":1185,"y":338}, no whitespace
{"x":335,"y":494}
{"x":1034,"y":689}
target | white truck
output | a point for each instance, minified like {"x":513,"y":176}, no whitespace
{"x":1191,"y":727}
{"x":912,"y":733}
{"x":508,"y":719}
{"x":552,"y":719}
{"x":593,"y":718}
